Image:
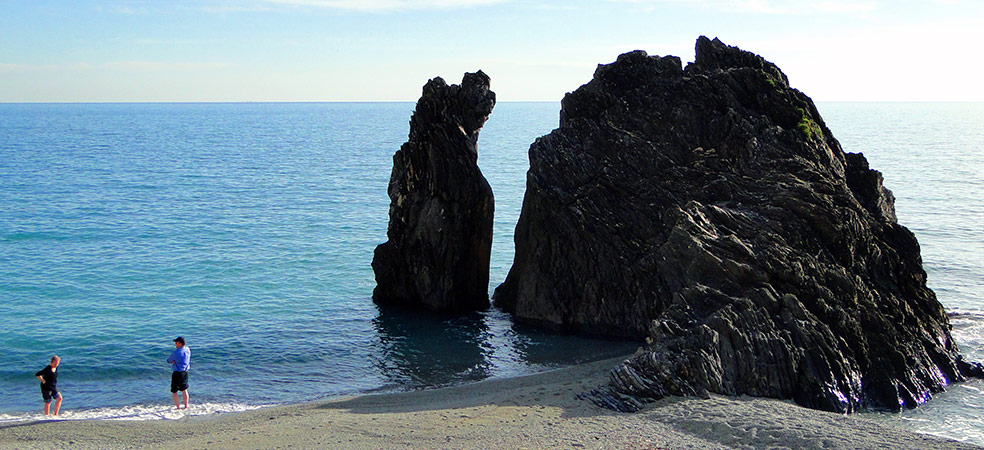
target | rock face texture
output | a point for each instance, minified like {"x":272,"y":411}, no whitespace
{"x":441,"y":210}
{"x":709,"y":211}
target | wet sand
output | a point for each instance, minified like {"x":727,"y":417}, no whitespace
{"x":532,"y":412}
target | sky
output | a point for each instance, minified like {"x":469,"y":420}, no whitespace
{"x":385,"y":50}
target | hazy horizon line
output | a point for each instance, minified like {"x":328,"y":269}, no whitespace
{"x":201,"y":102}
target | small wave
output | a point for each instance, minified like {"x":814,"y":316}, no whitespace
{"x":960,"y":313}
{"x":135,"y":412}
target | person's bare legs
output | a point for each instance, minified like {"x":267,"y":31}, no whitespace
{"x":184,"y":394}
{"x":57,"y":404}
{"x":47,"y":406}
{"x":176,"y":404}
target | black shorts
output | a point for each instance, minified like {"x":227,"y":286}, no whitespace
{"x":179,"y":381}
{"x":49,"y":393}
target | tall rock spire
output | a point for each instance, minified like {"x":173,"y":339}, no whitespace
{"x":441,"y":210}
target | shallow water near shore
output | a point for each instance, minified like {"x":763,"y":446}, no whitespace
{"x":133,"y":412}
{"x":246,"y":228}
{"x":249,"y":228}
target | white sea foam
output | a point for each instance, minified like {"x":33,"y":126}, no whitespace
{"x":135,"y":412}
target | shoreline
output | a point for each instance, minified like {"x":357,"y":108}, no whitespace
{"x":531,"y":411}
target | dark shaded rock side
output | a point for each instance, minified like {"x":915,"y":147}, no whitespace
{"x":710,"y":211}
{"x":441,"y":210}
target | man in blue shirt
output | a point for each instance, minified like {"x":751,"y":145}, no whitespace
{"x":180,"y":361}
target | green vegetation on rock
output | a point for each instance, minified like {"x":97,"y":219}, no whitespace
{"x":805,"y":124}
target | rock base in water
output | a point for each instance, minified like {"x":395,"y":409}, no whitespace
{"x":441,"y":210}
{"x":709,"y":211}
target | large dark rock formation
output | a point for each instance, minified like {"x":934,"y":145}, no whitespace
{"x":710,"y":211}
{"x":440,"y":227}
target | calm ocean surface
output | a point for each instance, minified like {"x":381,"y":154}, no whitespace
{"x":249,"y":229}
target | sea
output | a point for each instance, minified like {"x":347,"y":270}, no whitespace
{"x":248,"y":229}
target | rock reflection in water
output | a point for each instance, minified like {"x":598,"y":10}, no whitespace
{"x":538,"y":347}
{"x":422,"y":350}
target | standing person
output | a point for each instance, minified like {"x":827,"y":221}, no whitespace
{"x":49,"y":385}
{"x":180,"y":361}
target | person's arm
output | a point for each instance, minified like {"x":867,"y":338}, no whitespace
{"x":40,"y":375}
{"x":178,"y":358}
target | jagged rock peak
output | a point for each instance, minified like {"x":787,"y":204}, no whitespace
{"x":467,"y":105}
{"x":716,"y":55}
{"x":711,"y":212}
{"x":441,"y":206}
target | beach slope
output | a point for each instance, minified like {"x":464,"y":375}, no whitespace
{"x":536,"y":412}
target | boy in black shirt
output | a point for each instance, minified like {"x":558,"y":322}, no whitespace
{"x":49,"y":385}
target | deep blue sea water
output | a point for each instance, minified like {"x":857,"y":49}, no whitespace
{"x":249,"y":228}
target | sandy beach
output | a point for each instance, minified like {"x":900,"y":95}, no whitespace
{"x":531,"y":412}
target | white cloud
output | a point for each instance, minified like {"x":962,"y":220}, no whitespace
{"x":171,"y":42}
{"x":899,"y":62}
{"x":20,"y":68}
{"x":842,"y":7}
{"x":382,"y":5}
{"x":519,"y":62}
{"x":161,"y":66}
{"x":769,"y":6}
{"x":114,"y":65}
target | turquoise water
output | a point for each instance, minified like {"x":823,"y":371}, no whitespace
{"x":249,"y":228}
{"x":246,"y":228}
